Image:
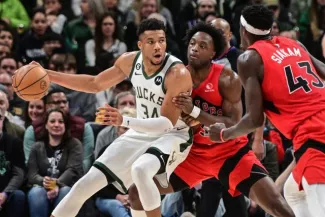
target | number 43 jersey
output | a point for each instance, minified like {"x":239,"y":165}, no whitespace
{"x":292,"y":90}
{"x":150,"y":90}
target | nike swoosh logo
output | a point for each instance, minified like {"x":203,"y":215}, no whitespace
{"x":137,"y":73}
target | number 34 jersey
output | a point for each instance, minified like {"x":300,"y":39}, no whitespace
{"x":292,"y":90}
{"x":150,"y":90}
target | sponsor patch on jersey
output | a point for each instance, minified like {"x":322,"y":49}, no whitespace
{"x":158,"y":80}
{"x":209,"y":87}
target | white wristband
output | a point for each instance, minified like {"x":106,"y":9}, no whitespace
{"x":125,"y":122}
{"x":195,"y":112}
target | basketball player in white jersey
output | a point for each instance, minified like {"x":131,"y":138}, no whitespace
{"x":157,"y":140}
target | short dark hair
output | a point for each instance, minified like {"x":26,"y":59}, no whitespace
{"x":150,"y":24}
{"x":54,"y":90}
{"x":9,"y":57}
{"x":258,"y":16}
{"x":44,"y":134}
{"x":219,"y":41}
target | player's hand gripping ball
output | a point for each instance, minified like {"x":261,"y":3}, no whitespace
{"x":107,"y":115}
{"x":31,"y":82}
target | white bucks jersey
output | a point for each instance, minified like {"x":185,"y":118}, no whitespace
{"x":150,"y":90}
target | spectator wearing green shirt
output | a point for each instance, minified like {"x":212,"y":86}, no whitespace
{"x":14,"y":13}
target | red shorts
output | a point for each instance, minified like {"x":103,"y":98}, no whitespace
{"x":235,"y":172}
{"x":309,"y":147}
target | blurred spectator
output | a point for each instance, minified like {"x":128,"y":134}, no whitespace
{"x":109,"y":201}
{"x":80,"y":104}
{"x":201,"y":8}
{"x":54,"y":165}
{"x":281,"y":14}
{"x":56,"y":19}
{"x":231,"y":53}
{"x":124,"y":5}
{"x":7,"y":37}
{"x":8,"y":65}
{"x":16,"y":105}
{"x":52,"y":42}
{"x":12,"y":166}
{"x":311,"y":27}
{"x":112,"y":7}
{"x":34,"y":112}
{"x":275,"y":31}
{"x":289,"y":34}
{"x":107,"y":45}
{"x":4,"y":50}
{"x":108,"y":96}
{"x":82,"y":29}
{"x":79,"y":129}
{"x":14,"y":13}
{"x":110,"y":133}
{"x":11,"y":125}
{"x":143,"y":8}
{"x":210,"y":16}
{"x":31,"y":45}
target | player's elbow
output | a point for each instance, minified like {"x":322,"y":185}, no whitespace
{"x":95,"y":84}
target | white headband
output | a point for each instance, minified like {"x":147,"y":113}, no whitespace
{"x":252,"y":29}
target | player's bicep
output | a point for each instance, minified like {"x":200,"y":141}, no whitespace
{"x":115,"y":74}
{"x":230,"y":89}
{"x":249,"y":69}
{"x":179,"y":81}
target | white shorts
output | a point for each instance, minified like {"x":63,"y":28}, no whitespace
{"x":309,"y":202}
{"x":119,"y":156}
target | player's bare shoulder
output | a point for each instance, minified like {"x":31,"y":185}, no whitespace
{"x":229,"y":84}
{"x":249,"y":63}
{"x":125,"y":61}
{"x":179,"y":74}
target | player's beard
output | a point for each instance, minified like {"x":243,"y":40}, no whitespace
{"x":156,"y":64}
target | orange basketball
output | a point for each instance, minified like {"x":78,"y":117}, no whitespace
{"x":31,"y":82}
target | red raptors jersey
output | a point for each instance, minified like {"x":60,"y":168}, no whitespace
{"x":207,"y":97}
{"x":292,"y":90}
{"x":294,"y":101}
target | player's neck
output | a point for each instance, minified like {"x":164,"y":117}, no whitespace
{"x":150,"y":68}
{"x":200,"y":73}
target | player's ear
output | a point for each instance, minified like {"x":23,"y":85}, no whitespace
{"x":140,"y":45}
{"x":213,"y":55}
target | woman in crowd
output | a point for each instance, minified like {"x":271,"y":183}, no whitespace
{"x":54,"y":165}
{"x":107,"y":44}
{"x":34,"y":111}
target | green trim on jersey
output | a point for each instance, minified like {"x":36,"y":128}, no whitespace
{"x":109,"y":174}
{"x":163,"y":82}
{"x":134,"y":63}
{"x":157,"y":72}
{"x":188,"y":143}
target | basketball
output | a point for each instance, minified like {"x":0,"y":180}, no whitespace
{"x":31,"y":82}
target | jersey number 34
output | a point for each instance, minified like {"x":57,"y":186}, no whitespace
{"x":295,"y":83}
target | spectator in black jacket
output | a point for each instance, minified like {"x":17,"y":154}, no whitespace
{"x":12,"y":172}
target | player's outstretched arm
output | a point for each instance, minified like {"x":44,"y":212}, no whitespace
{"x":250,"y":69}
{"x":100,"y":82}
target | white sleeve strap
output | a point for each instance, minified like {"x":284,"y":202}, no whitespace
{"x":149,"y":125}
{"x":195,"y":112}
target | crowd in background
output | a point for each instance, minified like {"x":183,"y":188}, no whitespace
{"x":48,"y":144}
